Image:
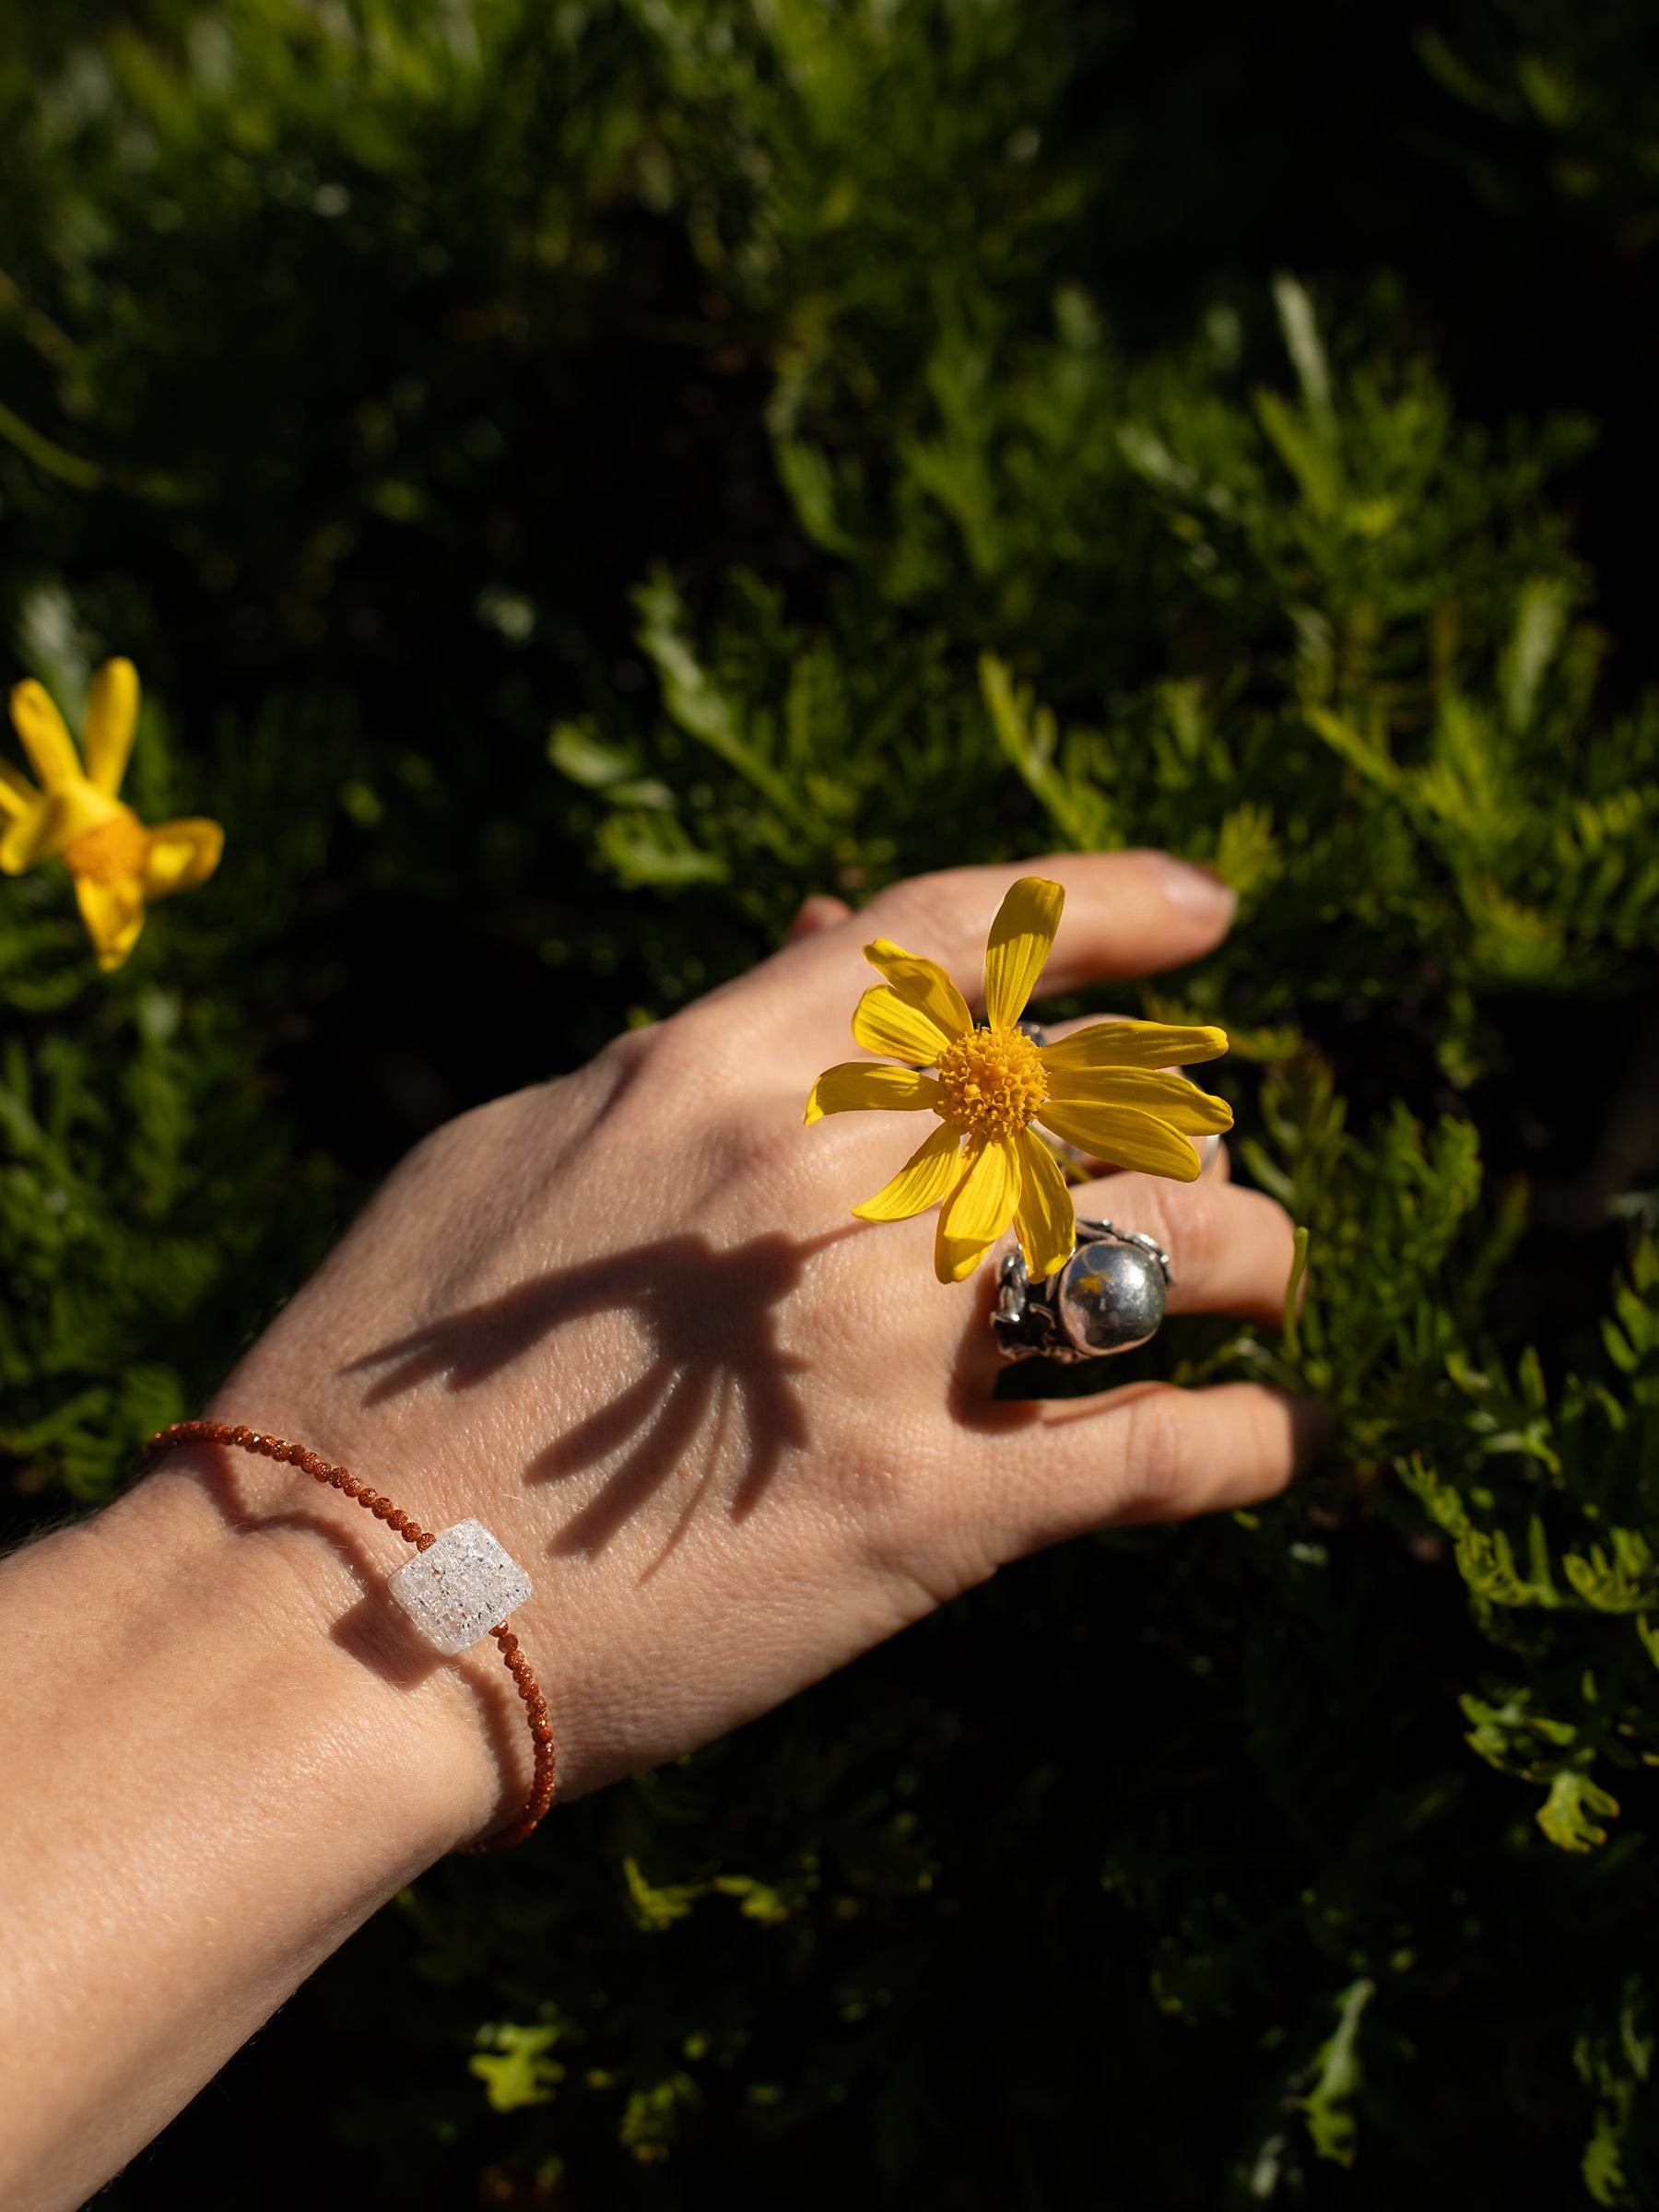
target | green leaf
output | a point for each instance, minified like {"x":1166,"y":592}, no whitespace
{"x":514,"y":2067}
{"x":1569,"y":1815}
{"x":1327,"y":2109}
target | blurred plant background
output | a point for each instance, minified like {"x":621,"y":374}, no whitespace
{"x":576,"y":478}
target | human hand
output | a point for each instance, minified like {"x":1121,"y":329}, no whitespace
{"x":735,"y":1437}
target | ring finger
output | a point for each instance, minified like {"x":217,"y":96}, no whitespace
{"x":1230,"y":1250}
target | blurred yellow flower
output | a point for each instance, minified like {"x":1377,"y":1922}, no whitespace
{"x":1103,"y":1089}
{"x":119,"y":865}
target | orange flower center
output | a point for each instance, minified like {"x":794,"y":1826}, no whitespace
{"x":112,"y":853}
{"x":991,"y":1082}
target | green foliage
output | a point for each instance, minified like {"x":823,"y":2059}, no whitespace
{"x":576,"y":479}
{"x":514,"y":2065}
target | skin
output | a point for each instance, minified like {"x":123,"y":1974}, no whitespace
{"x":735,"y":1437}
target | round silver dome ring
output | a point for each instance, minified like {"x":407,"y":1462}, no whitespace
{"x":1108,"y":1298}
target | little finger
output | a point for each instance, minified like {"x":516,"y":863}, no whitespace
{"x":1147,"y":1452}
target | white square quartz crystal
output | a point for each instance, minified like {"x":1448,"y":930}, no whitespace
{"x":460,"y":1587}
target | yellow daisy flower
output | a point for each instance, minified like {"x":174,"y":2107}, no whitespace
{"x":119,"y":865}
{"x":1104,"y":1089}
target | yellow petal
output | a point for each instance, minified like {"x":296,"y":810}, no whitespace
{"x":21,"y":812}
{"x":1018,"y":946}
{"x":1043,"y":1214}
{"x":18,"y":796}
{"x":921,"y":1182}
{"x":883,"y":1023}
{"x":113,"y":913}
{"x":856,"y":1084}
{"x":55,"y":819}
{"x":979,"y":1210}
{"x":1122,"y":1134}
{"x":1131,"y":1045}
{"x":22,"y":843}
{"x":923,"y":985}
{"x":181,"y":856}
{"x":1171,"y":1098}
{"x":111,"y":718}
{"x":48,"y":744}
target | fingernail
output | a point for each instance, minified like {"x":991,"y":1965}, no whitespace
{"x":1207,"y":1149}
{"x":1198,"y":891}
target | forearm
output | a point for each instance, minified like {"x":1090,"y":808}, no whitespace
{"x":215,"y":1770}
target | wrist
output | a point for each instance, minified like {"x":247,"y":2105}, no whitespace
{"x":430,"y":1742}
{"x":441,"y":1473}
{"x":211,"y":1783}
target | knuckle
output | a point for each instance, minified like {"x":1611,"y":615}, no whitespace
{"x":1192,"y":1227}
{"x":1155,"y":1474}
{"x":696,"y":1070}
{"x":447,"y":1148}
{"x":684,"y":1057}
{"x":1185,"y":1218}
{"x":649,"y":1046}
{"x":754,"y":1149}
{"x":947,"y":913}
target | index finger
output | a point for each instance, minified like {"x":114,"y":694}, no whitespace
{"x":1127,"y":914}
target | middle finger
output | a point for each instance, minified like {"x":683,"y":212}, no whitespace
{"x":1230,"y":1250}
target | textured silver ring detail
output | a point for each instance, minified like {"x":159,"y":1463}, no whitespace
{"x":1108,"y":1298}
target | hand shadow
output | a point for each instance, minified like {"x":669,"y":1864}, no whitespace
{"x":710,"y":1321}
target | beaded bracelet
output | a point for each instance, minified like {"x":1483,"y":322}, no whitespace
{"x":451,"y":1590}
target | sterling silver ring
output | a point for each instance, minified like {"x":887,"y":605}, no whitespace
{"x":1107,"y":1298}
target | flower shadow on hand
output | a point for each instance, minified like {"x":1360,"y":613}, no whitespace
{"x":714,"y":1365}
